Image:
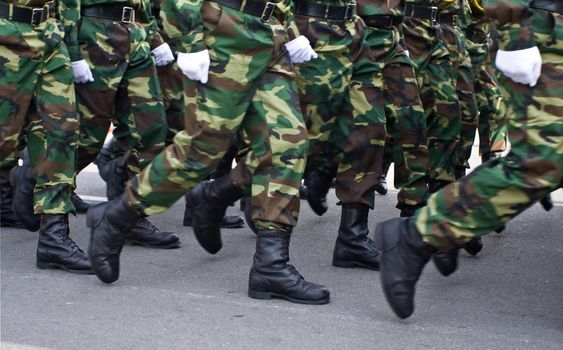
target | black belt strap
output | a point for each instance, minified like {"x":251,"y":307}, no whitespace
{"x":34,"y":16}
{"x":264,"y":10}
{"x":112,"y":12}
{"x":548,"y":5}
{"x":448,"y":19}
{"x":310,"y":9}
{"x":423,"y":12}
{"x":381,"y":21}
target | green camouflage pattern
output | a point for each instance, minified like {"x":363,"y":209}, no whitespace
{"x":251,"y":86}
{"x":502,"y":188}
{"x":38,"y":105}
{"x":455,"y":40}
{"x":437,"y":86}
{"x":341,"y":99}
{"x":125,"y":91}
{"x":407,"y":142}
{"x":393,"y":8}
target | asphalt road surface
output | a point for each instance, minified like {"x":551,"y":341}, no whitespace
{"x":508,"y":297}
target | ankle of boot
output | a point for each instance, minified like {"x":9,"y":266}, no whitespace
{"x":123,"y":214}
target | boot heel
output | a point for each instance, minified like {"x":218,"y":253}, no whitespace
{"x":342,"y":263}
{"x":254,"y":294}
{"x":45,"y":265}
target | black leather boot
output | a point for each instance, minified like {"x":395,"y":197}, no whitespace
{"x":146,"y":234}
{"x":353,"y":248}
{"x":409,"y":210}
{"x":56,"y":250}
{"x":272,"y":277}
{"x":7,"y":216}
{"x":302,"y":191}
{"x":403,"y":257}
{"x":446,"y":262}
{"x":459,"y":172}
{"x":547,"y":203}
{"x":23,"y":182}
{"x":474,"y":246}
{"x":486,"y":157}
{"x":382,"y":187}
{"x":115,"y":175}
{"x":229,"y":221}
{"x":108,"y":223}
{"x":209,"y":201}
{"x":80,"y":206}
{"x":318,"y":184}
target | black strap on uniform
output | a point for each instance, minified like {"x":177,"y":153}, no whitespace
{"x":429,"y":13}
{"x":264,"y":10}
{"x":332,"y":12}
{"x":112,"y":12}
{"x":548,"y":5}
{"x":447,"y":19}
{"x":33,"y":16}
{"x":381,"y":21}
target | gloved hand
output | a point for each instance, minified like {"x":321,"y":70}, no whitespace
{"x":522,"y":66}
{"x":195,"y":66}
{"x":162,"y":55}
{"x":82,"y":72}
{"x":300,"y":50}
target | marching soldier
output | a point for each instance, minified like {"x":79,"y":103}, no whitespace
{"x":531,"y":59}
{"x":38,"y":105}
{"x":238,"y":74}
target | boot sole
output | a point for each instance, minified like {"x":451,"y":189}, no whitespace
{"x":254,"y":294}
{"x":54,"y":266}
{"x":352,"y":264}
{"x":155,"y":246}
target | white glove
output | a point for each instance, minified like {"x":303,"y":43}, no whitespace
{"x":300,"y":50}
{"x":162,"y":55}
{"x":195,"y":66}
{"x":522,"y":66}
{"x":82,"y":72}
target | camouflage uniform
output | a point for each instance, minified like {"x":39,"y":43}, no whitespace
{"x":407,"y":143}
{"x":342,"y":102}
{"x":38,"y":101}
{"x":437,"y":78}
{"x":501,"y":189}
{"x":453,"y":27}
{"x":250,"y":86}
{"x":125,"y":90}
{"x":492,"y":123}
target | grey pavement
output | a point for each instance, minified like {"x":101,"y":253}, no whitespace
{"x":508,"y":297}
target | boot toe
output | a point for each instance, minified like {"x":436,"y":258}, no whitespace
{"x":400,"y":296}
{"x":474,"y":246}
{"x":446,"y":262}
{"x":232,"y":221}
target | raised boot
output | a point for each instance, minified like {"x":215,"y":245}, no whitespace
{"x":209,"y":201}
{"x":382,"y":187}
{"x":446,"y":262}
{"x":56,"y":250}
{"x":547,"y":203}
{"x":229,"y":221}
{"x":272,"y":277}
{"x":7,"y":216}
{"x":108,"y":223}
{"x":318,"y":184}
{"x":474,"y":246}
{"x":80,"y":206}
{"x":146,"y":234}
{"x":403,"y":257}
{"x":353,"y":248}
{"x":23,"y":182}
{"x":116,"y":176}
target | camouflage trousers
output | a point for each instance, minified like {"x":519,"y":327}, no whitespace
{"x":341,"y":99}
{"x":125,"y":91}
{"x":492,"y":126}
{"x":170,"y":78}
{"x":251,"y":86}
{"x":437,"y":85}
{"x":407,"y":143}
{"x":465,"y":89}
{"x":502,"y":188}
{"x":38,"y":109}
